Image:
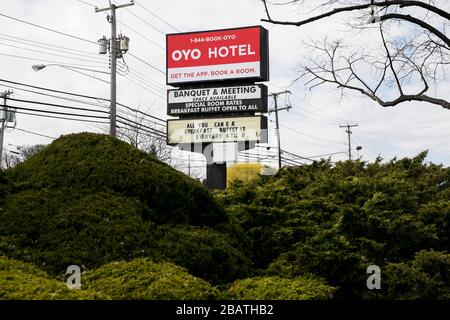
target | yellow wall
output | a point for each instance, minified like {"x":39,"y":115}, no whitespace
{"x":244,"y":172}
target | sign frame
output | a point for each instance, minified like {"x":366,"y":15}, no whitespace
{"x":263,"y":126}
{"x":261,"y":102}
{"x":264,"y":59}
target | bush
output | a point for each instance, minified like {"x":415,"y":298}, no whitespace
{"x":94,"y":230}
{"x":206,"y":253}
{"x":277,"y":288}
{"x":4,"y":185}
{"x":79,"y":164}
{"x":20,"y":281}
{"x":336,"y":220}
{"x":427,"y":277}
{"x":89,"y":199}
{"x":146,"y":280}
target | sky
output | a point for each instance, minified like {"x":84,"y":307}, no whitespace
{"x":311,"y":128}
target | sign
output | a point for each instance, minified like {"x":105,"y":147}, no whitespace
{"x":236,"y":99}
{"x":229,"y":54}
{"x":209,"y":130}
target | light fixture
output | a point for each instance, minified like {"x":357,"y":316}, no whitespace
{"x":38,"y":67}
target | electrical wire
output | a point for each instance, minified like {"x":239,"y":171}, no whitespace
{"x":156,"y":90}
{"x":58,"y":113}
{"x":136,"y":82}
{"x":158,"y":17}
{"x":144,"y":21}
{"x":62,"y":118}
{"x":310,"y":136}
{"x":140,"y":34}
{"x":57,"y":105}
{"x":44,"y":45}
{"x":82,"y":96}
{"x":55,"y":96}
{"x":37,"y":134}
{"x":146,"y":63}
{"x":49,"y":61}
{"x":48,"y":29}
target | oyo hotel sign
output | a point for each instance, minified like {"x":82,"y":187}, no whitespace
{"x":229,"y":54}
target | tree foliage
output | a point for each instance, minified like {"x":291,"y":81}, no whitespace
{"x":335,"y":221}
{"x":20,"y":281}
{"x":277,"y":288}
{"x":142,"y":279}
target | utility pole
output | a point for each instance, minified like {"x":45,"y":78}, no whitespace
{"x":3,"y":120}
{"x":114,"y":51}
{"x":276,"y":109}
{"x":349,"y":132}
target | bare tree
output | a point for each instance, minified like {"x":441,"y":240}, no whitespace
{"x":13,"y":158}
{"x":145,"y":134}
{"x":406,"y":68}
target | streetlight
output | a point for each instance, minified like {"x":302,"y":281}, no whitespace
{"x":358,"y":148}
{"x":38,"y":67}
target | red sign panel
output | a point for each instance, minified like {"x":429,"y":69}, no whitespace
{"x":231,"y":54}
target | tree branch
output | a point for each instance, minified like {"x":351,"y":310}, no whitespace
{"x":401,"y":3}
{"x":419,"y":22}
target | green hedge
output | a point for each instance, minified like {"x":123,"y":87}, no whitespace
{"x":145,"y":280}
{"x":427,"y":277}
{"x":79,"y":164}
{"x":335,"y":220}
{"x":277,"y":288}
{"x":206,"y":253}
{"x":92,"y":231}
{"x":21,"y":281}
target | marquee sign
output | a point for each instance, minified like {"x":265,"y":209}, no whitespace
{"x":224,"y":100}
{"x":210,"y":130}
{"x":229,"y":54}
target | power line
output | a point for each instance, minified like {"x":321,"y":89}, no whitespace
{"x":68,"y":99}
{"x":148,"y":64}
{"x":45,"y":45}
{"x":156,"y":16}
{"x":328,"y":154}
{"x":80,"y":109}
{"x":58,"y":105}
{"x":58,"y":113}
{"x":313,"y":118}
{"x":87,"y":3}
{"x":48,"y":29}
{"x":82,"y":96}
{"x":156,"y":90}
{"x":55,"y":96}
{"x":296,"y":138}
{"x":56,"y":117}
{"x":308,"y":135}
{"x":143,"y":126}
{"x":37,"y":134}
{"x":144,"y":21}
{"x":295,"y":155}
{"x":137,"y":126}
{"x":140,"y":34}
{"x":44,"y":60}
{"x":130,"y":78}
{"x":155,"y":83}
{"x":85,"y":74}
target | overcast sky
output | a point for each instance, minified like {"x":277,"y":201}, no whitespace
{"x":311,"y":129}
